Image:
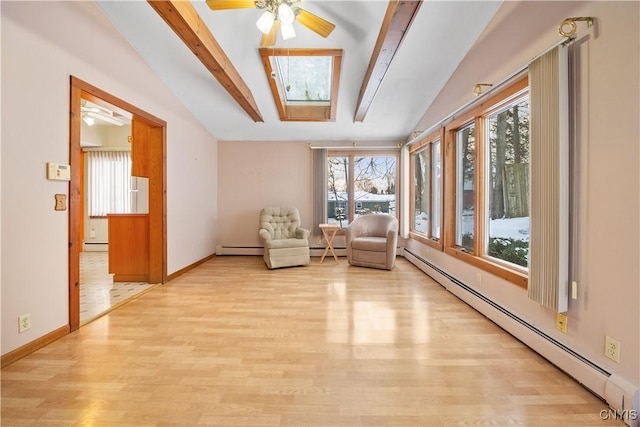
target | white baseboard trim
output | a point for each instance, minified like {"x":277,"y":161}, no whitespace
{"x":255,"y":250}
{"x":238,"y":250}
{"x":317,"y":252}
{"x":622,"y":396}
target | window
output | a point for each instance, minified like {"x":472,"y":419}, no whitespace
{"x":436,"y":190}
{"x":360,"y":184}
{"x":303,"y":82}
{"x":465,"y":187}
{"x":507,"y":195}
{"x":421,"y":209}
{"x":479,"y":212}
{"x":338,"y":190}
{"x":426,"y":163}
{"x":488,"y":200}
{"x":109,"y":182}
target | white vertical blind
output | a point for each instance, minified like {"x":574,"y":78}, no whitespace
{"x":549,"y":242}
{"x":109,"y":182}
{"x":404,"y":202}
{"x":319,"y":158}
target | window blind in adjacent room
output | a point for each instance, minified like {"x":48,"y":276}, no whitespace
{"x":109,"y":182}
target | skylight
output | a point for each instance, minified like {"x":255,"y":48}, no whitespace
{"x":304,"y":82}
{"x":305,"y":78}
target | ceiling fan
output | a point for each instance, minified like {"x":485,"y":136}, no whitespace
{"x":278,"y":15}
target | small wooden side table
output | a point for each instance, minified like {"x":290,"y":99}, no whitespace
{"x":329,"y":231}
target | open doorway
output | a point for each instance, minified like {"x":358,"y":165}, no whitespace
{"x":107,"y":188}
{"x":100,"y":270}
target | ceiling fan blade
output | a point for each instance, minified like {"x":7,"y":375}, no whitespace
{"x":315,"y":23}
{"x":270,"y":38}
{"x":231,"y":4}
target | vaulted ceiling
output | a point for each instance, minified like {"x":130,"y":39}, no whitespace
{"x":439,"y":36}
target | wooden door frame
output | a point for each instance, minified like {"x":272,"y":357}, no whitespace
{"x":157,"y":188}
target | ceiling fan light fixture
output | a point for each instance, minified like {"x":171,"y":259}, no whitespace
{"x":287,"y":31}
{"x":265,"y":22}
{"x":104,"y":118}
{"x":286,"y":14}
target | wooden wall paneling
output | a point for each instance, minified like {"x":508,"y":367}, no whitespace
{"x":140,"y":148}
{"x":157,"y":205}
{"x":82,"y":200}
{"x":75,"y":206}
{"x":129,"y":247}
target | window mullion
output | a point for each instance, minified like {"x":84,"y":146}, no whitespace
{"x":449,"y":221}
{"x":481,"y":186}
{"x":351,"y":189}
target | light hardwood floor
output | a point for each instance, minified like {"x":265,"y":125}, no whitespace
{"x":98,"y":292}
{"x":233,"y":344}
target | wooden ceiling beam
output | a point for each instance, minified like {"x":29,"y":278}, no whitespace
{"x":396,"y":23}
{"x":188,"y":25}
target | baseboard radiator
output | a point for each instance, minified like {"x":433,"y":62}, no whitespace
{"x":622,"y":396}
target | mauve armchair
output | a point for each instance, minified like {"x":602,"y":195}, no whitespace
{"x":372,"y":240}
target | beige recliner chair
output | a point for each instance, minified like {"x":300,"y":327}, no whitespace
{"x":372,"y":240}
{"x":285,"y":243}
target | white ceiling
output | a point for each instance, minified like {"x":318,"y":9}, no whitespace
{"x":439,"y":38}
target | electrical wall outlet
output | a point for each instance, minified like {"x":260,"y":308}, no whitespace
{"x":24,"y":323}
{"x":562,"y":322}
{"x":612,"y":349}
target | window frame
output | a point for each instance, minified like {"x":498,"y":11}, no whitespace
{"x":478,"y":116}
{"x":351,"y":154}
{"x":427,"y":144}
{"x":324,"y":111}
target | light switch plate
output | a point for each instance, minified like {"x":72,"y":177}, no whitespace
{"x":61,"y":202}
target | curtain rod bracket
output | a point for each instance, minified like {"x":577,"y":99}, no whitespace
{"x":571,"y":23}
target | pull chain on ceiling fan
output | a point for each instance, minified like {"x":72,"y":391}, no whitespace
{"x":278,"y":15}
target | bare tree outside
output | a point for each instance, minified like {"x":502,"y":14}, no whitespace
{"x":337,"y":174}
{"x":421,"y":185}
{"x":374,"y":186}
{"x":508,"y":198}
{"x":466,"y":188}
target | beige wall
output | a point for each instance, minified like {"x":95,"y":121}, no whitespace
{"x":255,"y":175}
{"x":42,"y":44}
